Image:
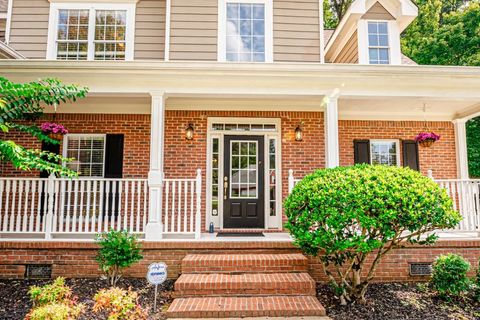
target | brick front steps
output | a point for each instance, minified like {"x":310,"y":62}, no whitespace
{"x":245,"y":285}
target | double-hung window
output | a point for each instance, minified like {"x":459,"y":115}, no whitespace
{"x":245,"y":31}
{"x":378,"y":42}
{"x":385,"y":152}
{"x":91,"y":31}
{"x":87,"y":152}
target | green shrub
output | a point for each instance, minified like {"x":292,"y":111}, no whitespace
{"x":119,"y":304}
{"x":118,"y":250}
{"x":344,"y":214}
{"x":477,"y":283}
{"x":56,"y":311}
{"x":54,"y":301}
{"x":449,"y":275}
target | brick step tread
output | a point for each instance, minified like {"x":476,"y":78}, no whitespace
{"x":270,"y":318}
{"x":239,"y":307}
{"x":244,"y":284}
{"x":213,"y":263}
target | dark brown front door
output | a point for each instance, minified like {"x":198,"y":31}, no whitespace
{"x":243,"y":193}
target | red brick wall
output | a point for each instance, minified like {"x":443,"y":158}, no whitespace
{"x":135,"y":127}
{"x":183,"y":157}
{"x":440,"y":157}
{"x":76,"y":259}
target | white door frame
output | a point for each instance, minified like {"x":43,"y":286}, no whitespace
{"x":274,"y":222}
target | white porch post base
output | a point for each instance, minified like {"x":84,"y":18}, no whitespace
{"x":154,"y":231}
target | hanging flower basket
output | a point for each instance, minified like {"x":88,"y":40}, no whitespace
{"x":53,"y":130}
{"x":426,"y":139}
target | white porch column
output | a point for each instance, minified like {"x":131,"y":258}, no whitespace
{"x":332,"y":150}
{"x":461,"y":148}
{"x":154,"y":228}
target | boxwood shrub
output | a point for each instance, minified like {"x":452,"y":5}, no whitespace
{"x":346,"y":214}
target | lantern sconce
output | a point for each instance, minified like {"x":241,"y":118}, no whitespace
{"x":299,"y":133}
{"x":189,"y":132}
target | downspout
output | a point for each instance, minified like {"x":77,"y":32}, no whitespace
{"x":321,"y":31}
{"x":168,"y":8}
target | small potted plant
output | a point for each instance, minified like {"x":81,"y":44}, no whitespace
{"x":426,"y":139}
{"x":53,"y":130}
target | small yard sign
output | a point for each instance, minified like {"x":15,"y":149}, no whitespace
{"x":156,"y":274}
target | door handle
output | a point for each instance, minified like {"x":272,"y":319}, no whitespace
{"x":225,"y":187}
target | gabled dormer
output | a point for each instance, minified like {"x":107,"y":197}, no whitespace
{"x":369,"y":33}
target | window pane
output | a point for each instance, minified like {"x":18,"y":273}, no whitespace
{"x":88,"y":153}
{"x":245,"y":30}
{"x":110,"y":30}
{"x":384,"y":153}
{"x":72,"y":34}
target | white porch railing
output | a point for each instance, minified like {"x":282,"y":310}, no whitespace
{"x":80,"y":208}
{"x":464,"y":193}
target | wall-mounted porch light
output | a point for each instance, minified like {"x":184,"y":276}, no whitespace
{"x":299,"y":133}
{"x":189,"y":132}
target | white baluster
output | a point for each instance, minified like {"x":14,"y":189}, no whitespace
{"x":167,"y":195}
{"x":18,"y":213}
{"x":94,"y":207}
{"x":50,"y":203}
{"x":101,"y":194}
{"x":87,"y":205}
{"x":132,"y":206}
{"x":55,"y":206}
{"x":107,"y":215}
{"x":2,"y":214}
{"x":61,"y":208}
{"x":25,"y":207}
{"x":70,"y":187}
{"x":198,"y":218}
{"x":185,"y":206}
{"x":173,"y":206}
{"x":179,"y":206}
{"x":192,"y":201}
{"x":12,"y":212}
{"x":75,"y":205}
{"x":139,"y":194}
{"x":113,"y":206}
{"x":145,"y":205}
{"x":119,"y":206}
{"x":81,"y":227}
{"x":126,"y":225}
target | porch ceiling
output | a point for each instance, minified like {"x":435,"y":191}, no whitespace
{"x":365,"y":92}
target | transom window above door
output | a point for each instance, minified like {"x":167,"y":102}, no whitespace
{"x":91,"y":31}
{"x":245,"y":31}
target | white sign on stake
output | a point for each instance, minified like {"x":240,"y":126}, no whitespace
{"x":156,"y":274}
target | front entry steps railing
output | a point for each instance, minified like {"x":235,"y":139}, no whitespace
{"x":245,"y":285}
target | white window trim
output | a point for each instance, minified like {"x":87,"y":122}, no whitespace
{"x":395,"y":54}
{"x":397,"y":147}
{"x":85,"y":135}
{"x":91,"y":6}
{"x":8,"y":24}
{"x":222,"y":26}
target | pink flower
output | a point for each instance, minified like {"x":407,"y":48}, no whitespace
{"x":423,"y":136}
{"x":50,"y":127}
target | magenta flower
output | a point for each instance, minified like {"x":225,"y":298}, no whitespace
{"x":424,"y":136}
{"x":50,"y":127}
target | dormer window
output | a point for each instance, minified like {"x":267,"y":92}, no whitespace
{"x":378,"y":44}
{"x":91,"y":31}
{"x":245,"y":31}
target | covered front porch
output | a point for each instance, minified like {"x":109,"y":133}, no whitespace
{"x":226,"y":149}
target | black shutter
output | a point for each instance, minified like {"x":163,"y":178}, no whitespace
{"x":113,"y":170}
{"x":410,"y":155}
{"x":114,"y":156}
{"x":50,"y":147}
{"x":361,"y":149}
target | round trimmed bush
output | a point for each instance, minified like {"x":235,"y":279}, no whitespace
{"x":345,"y":213}
{"x":449,"y":275}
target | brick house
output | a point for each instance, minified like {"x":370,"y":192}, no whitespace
{"x":207,"y":112}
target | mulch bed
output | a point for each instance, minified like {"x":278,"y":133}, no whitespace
{"x":395,"y":301}
{"x":15,"y":304}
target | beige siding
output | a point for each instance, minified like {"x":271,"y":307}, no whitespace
{"x":193,"y":34}
{"x":3,"y":6}
{"x":349,"y":53}
{"x":296,"y":31}
{"x":150,"y":30}
{"x":29,"y":27}
{"x":378,"y":12}
{"x":2,"y":29}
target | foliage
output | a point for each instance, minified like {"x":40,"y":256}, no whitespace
{"x":345,"y":214}
{"x":442,"y":37}
{"x":118,"y":250}
{"x":449,"y":275}
{"x":334,"y":10}
{"x":473,"y":143}
{"x":54,"y":301}
{"x":477,"y":283}
{"x":24,"y":102}
{"x":120,"y":304}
